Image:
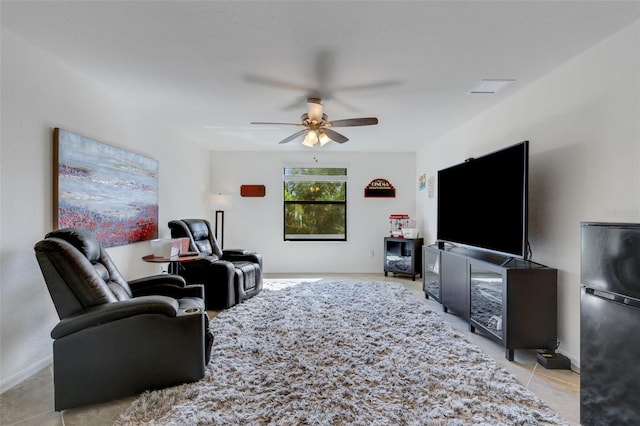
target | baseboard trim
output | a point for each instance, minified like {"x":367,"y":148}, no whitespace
{"x":23,"y":375}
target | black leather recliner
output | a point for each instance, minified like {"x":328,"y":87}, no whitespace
{"x":229,"y":276}
{"x":117,"y":338}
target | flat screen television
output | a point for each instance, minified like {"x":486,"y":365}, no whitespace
{"x":482,"y":203}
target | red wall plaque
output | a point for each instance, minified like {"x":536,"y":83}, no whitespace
{"x":252,"y":190}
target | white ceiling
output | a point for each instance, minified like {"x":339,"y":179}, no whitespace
{"x":209,"y":68}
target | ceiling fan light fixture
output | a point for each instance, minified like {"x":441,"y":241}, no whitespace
{"x":324,"y":139}
{"x":310,"y":139}
{"x":316,"y":126}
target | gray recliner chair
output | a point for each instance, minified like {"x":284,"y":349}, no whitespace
{"x":117,"y":338}
{"x":229,"y":276}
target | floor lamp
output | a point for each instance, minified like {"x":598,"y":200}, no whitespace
{"x":220,"y":202}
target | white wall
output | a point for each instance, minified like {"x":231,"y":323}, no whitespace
{"x":257,"y":223}
{"x":583,"y":124}
{"x":38,"y":94}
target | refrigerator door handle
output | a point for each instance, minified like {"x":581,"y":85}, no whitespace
{"x":612,"y":297}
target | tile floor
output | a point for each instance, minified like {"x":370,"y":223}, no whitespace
{"x":31,"y":402}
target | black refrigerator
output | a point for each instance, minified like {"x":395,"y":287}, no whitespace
{"x":610,"y":324}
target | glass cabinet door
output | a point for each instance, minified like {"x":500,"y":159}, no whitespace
{"x":431,"y":278}
{"x":486,"y":288}
{"x":398,"y":255}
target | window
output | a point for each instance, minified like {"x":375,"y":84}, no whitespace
{"x":315,"y":203}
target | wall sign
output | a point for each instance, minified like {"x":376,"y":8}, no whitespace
{"x":379,"y":188}
{"x":252,"y":190}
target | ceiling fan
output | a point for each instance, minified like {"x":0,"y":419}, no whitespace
{"x":317,"y":127}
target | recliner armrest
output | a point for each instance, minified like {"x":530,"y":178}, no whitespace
{"x":165,"y":285}
{"x":235,"y":252}
{"x":233,"y":256}
{"x":154,"y":280}
{"x":108,"y":312}
{"x":175,"y":292}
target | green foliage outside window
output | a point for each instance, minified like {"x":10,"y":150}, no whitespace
{"x":315,"y":204}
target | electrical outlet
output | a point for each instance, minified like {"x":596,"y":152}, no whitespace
{"x":371,"y":253}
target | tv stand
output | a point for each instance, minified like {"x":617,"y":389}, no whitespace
{"x":511,"y":301}
{"x":506,"y":261}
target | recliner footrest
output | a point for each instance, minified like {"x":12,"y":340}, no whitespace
{"x":248,"y":270}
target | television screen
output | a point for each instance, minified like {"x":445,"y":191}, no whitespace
{"x":482,"y":203}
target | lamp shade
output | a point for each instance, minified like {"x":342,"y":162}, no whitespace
{"x":220,"y":202}
{"x":324,"y":139}
{"x":310,"y":139}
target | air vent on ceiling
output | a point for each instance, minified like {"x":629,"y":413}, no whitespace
{"x":490,"y":86}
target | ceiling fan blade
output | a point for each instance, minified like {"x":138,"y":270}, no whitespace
{"x":335,"y":136}
{"x":324,"y":64}
{"x":294,"y":136}
{"x":270,"y":122}
{"x":299,"y":103}
{"x":367,"y":86}
{"x":351,"y":122}
{"x":273,"y":82}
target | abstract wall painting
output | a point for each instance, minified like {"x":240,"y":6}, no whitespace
{"x":108,"y":190}
{"x":422,"y":182}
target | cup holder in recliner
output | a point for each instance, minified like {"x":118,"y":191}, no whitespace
{"x":191,"y":310}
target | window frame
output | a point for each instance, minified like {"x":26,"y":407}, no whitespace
{"x":313,"y":178}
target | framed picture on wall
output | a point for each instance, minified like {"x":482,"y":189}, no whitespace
{"x":108,"y":190}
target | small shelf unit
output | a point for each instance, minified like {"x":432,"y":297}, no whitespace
{"x":403,"y":256}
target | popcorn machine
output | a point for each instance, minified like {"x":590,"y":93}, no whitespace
{"x":397,"y":223}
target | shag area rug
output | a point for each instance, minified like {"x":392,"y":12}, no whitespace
{"x":341,"y":353}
